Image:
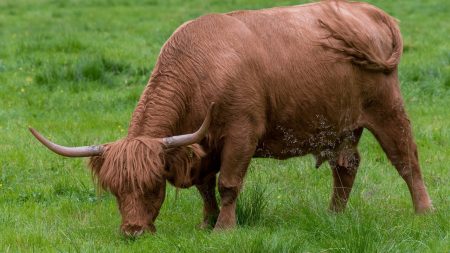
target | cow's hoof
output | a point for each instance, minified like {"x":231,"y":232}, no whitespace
{"x":223,"y":227}
{"x":205,"y":225}
{"x":208,"y":221}
{"x":425,"y":210}
{"x":336,"y":209}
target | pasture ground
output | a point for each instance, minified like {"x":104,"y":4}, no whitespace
{"x":75,"y":69}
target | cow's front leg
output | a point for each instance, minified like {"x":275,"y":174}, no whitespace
{"x":210,"y":207}
{"x":236,"y":157}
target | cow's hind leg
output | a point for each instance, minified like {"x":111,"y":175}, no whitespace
{"x":344,"y":168}
{"x":210,"y":207}
{"x":391,"y":126}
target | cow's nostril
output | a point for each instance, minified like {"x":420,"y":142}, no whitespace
{"x":138,"y":233}
{"x":132,"y":230}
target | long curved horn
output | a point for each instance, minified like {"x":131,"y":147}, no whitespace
{"x":187,"y":139}
{"x":84,"y":151}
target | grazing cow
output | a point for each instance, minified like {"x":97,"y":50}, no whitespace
{"x":280,"y":83}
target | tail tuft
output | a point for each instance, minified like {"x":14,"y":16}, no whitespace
{"x":354,"y":43}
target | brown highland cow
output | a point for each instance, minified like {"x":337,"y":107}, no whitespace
{"x":278,"y":83}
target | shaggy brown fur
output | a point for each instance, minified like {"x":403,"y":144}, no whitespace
{"x":182,"y":165}
{"x":141,"y":163}
{"x":130,"y":165}
{"x":286,"y":82}
{"x":362,"y":49}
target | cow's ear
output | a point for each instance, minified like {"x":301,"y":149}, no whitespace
{"x":196,"y":151}
{"x":183,"y":163}
{"x":96,"y":162}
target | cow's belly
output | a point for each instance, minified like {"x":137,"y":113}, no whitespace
{"x":285,"y":143}
{"x":320,"y":136}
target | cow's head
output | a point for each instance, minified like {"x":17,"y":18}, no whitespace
{"x":135,"y":171}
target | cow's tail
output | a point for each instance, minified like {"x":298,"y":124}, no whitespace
{"x":352,"y":42}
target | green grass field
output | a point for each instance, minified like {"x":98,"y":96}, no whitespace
{"x":75,"y":69}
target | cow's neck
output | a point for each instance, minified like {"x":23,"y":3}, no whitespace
{"x":160,"y":110}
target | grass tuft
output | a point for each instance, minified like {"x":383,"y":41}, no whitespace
{"x":251,"y":205}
